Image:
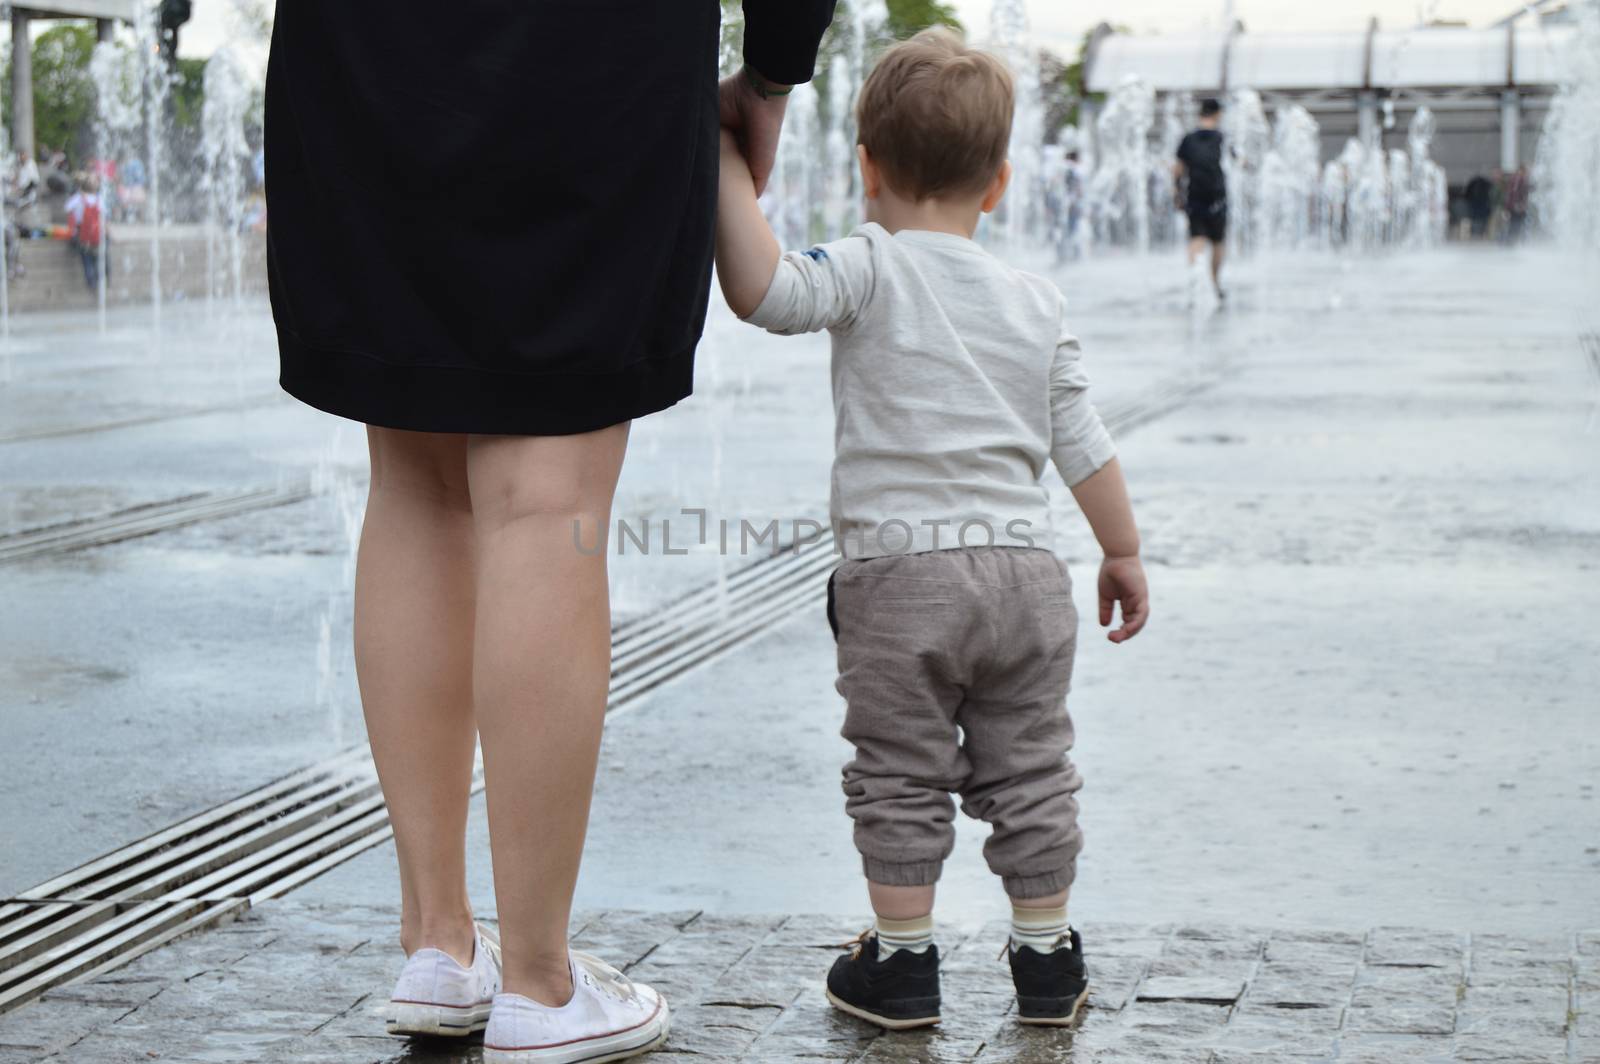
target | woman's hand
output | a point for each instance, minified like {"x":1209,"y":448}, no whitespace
{"x":756,"y":121}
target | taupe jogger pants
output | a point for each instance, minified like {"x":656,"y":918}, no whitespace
{"x":955,"y":665}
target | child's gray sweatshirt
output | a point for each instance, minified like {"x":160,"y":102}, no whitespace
{"x":954,"y":381}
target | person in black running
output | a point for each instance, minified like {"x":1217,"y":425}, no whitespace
{"x":1199,"y":167}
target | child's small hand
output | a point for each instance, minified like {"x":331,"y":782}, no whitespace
{"x":1122,"y":581}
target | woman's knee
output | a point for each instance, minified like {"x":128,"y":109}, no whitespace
{"x":429,"y":467}
{"x":520,"y":478}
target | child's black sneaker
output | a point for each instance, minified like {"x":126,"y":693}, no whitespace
{"x":1050,"y":986}
{"x":898,"y":992}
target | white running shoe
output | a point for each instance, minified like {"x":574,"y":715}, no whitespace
{"x":435,"y":995}
{"x":610,"y":1017}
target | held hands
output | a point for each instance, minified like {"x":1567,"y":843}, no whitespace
{"x":1122,"y":581}
{"x":747,"y":252}
{"x":755,"y":120}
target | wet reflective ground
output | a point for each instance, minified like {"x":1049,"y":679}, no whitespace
{"x":1367,"y":696}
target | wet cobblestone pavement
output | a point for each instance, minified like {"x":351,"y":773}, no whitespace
{"x":297,"y":982}
{"x":1367,"y":699}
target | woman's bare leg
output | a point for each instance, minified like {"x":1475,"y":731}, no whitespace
{"x":414,"y":611}
{"x":541,"y":670}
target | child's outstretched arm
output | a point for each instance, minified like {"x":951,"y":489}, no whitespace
{"x":823,"y":288}
{"x":1103,"y":498}
{"x":747,"y":252}
{"x":1084,"y":454}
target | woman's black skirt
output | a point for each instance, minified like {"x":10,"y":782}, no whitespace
{"x":491,"y":217}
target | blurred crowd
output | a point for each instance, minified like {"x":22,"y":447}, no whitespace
{"x":47,"y":200}
{"x":41,"y":188}
{"x":1494,"y":207}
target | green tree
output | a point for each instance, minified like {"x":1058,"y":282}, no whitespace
{"x":1061,"y":84}
{"x":1061,"y":90}
{"x":63,"y":95}
{"x":907,"y":17}
{"x":188,"y":92}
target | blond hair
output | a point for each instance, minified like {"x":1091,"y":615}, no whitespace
{"x":935,"y":115}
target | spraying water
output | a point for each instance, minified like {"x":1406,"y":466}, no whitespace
{"x":1281,"y":195}
{"x":223,"y":152}
{"x":796,"y":173}
{"x":1291,"y":180}
{"x":1178,"y":115}
{"x":156,"y":84}
{"x":1428,"y":190}
{"x":114,"y":70}
{"x":1368,"y":208}
{"x":342,"y":495}
{"x":1370,"y":199}
{"x":1119,"y":200}
{"x":1009,"y":38}
{"x":867,"y":32}
{"x":1248,"y":138}
{"x":838,"y":208}
{"x":1567,"y":170}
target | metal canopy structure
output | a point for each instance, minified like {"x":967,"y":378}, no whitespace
{"x":122,"y":10}
{"x":1299,"y":60}
{"x":1454,"y":56}
{"x":1488,"y":88}
{"x":1169,"y":62}
{"x":1510,"y":56}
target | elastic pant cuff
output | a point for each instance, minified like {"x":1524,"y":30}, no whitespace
{"x":909,"y":874}
{"x":1042,"y":885}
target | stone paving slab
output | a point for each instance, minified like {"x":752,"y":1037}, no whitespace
{"x":292,"y":981}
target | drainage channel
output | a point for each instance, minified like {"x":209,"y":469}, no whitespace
{"x":250,"y":403}
{"x":213,"y":866}
{"x":149,"y":519}
{"x":146,"y":520}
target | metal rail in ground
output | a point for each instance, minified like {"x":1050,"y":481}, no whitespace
{"x":249,"y":403}
{"x":215,"y":865}
{"x":151,"y":518}
{"x":146,"y":520}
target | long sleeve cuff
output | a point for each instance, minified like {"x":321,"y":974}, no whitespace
{"x":1083,"y":446}
{"x":790,"y":305}
{"x":781,"y":37}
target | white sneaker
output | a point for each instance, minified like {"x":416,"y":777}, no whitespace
{"x":610,"y":1017}
{"x":436,"y":995}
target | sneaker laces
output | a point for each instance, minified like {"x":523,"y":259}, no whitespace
{"x":857,"y":944}
{"x":1065,"y":941}
{"x":490,"y":943}
{"x":605,"y":978}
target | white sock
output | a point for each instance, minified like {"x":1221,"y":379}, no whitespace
{"x":914,"y":936}
{"x":1043,"y":929}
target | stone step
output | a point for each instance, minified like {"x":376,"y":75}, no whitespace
{"x":52,"y":274}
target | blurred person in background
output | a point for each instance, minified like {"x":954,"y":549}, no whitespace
{"x":1199,"y":171}
{"x":25,"y":180}
{"x":1518,"y":192}
{"x":132,"y":195}
{"x":1480,"y":204}
{"x":85,"y":227}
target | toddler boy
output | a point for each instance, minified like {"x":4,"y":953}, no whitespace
{"x":954,"y":381}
